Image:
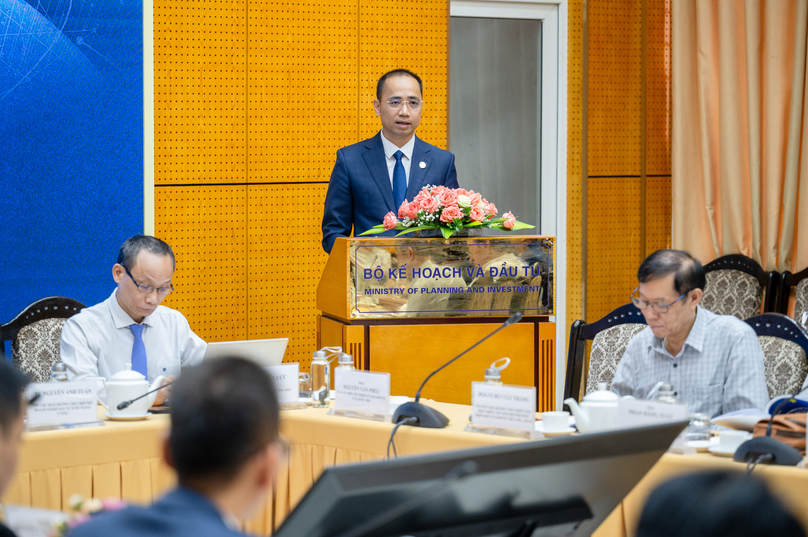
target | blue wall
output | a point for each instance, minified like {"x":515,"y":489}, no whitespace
{"x":71,"y":146}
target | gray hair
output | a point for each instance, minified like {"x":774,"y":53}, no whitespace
{"x":132,"y":246}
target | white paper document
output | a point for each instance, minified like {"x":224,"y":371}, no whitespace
{"x":503,"y":407}
{"x":362,"y":391}
{"x":287,"y":384}
{"x":62,"y":402}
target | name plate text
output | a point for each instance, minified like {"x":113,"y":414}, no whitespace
{"x":61,"y":403}
{"x":504,"y":407}
{"x":362,"y":391}
{"x":285,"y":378}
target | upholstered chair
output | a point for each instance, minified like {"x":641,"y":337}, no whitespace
{"x":736,"y":286}
{"x":785,"y":352}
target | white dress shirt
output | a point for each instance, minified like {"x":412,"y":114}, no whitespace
{"x":718,"y":370}
{"x":390,"y":150}
{"x":97,"y":342}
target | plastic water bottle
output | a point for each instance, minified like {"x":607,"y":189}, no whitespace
{"x":345,"y":361}
{"x":320,"y":378}
{"x":493,"y":375}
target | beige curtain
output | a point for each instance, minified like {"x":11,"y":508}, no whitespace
{"x":740,"y":150}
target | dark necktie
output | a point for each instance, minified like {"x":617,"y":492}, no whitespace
{"x":139,"y":363}
{"x":399,"y":181}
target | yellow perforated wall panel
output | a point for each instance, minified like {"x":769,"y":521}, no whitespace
{"x":302,"y":73}
{"x":285,"y":264}
{"x":658,"y":119}
{"x":412,"y":35}
{"x":199,"y":91}
{"x":614,"y":242}
{"x":574,"y":172}
{"x":256,"y":96}
{"x":657,"y":213}
{"x":615,"y":87}
{"x":206,"y":227}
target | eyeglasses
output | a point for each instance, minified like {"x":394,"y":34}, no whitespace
{"x":395,"y":104}
{"x":655,"y":306}
{"x":149,"y":289}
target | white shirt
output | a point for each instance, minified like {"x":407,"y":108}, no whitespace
{"x":718,"y":370}
{"x":390,"y":150}
{"x":97,"y":342}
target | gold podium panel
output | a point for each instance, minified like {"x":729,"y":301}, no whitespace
{"x":406,"y":306}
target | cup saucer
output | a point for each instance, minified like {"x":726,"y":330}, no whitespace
{"x":128,"y":417}
{"x":563,"y":432}
{"x":722,"y":450}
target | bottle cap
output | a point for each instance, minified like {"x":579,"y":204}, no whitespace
{"x":318,"y":355}
{"x":346,"y":359}
{"x":59,"y":368}
{"x":495,"y":371}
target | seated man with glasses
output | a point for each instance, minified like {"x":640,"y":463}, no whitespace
{"x":373,"y":177}
{"x":224,"y":444}
{"x":714,"y":362}
{"x":131,"y":327}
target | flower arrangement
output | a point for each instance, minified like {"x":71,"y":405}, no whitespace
{"x":81,"y":510}
{"x":449,"y":210}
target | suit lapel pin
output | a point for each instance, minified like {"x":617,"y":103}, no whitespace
{"x":422,"y":165}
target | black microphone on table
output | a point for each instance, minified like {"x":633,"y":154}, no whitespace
{"x":429,"y":417}
{"x":125,"y":404}
{"x":766,"y":449}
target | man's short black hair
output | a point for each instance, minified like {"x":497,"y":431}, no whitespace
{"x":12,"y":384}
{"x":223,"y":412}
{"x":132,"y":246}
{"x":716,"y":504}
{"x":689,"y":272}
{"x":397,"y":72}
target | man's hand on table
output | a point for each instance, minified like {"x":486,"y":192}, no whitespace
{"x":162,"y":395}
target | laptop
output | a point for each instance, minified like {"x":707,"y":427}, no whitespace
{"x":263,"y":352}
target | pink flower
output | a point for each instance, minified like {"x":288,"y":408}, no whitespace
{"x":412,"y":209}
{"x":477,"y":214}
{"x":430,"y":205}
{"x":78,"y":520}
{"x":437,"y":190}
{"x":451,"y":213}
{"x":422,"y":195}
{"x":461,"y":192}
{"x":402,"y":211}
{"x":448,"y":198}
{"x":490,"y":209}
{"x":475,"y":198}
{"x":113,"y":504}
{"x":510,"y":220}
{"x":390,"y":221}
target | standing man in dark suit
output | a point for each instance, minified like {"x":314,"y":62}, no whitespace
{"x":375,"y":176}
{"x":13,"y":405}
{"x":225,"y":448}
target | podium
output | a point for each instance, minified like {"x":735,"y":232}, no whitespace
{"x":406,"y":306}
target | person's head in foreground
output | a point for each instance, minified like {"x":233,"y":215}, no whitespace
{"x":12,"y":419}
{"x":671,"y":285}
{"x":143,"y":273}
{"x":716,"y":504}
{"x":224,"y":440}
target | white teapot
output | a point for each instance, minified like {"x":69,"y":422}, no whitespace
{"x":597,"y":412}
{"x":126,"y":385}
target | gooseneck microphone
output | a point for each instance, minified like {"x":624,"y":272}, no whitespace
{"x":125,"y":404}
{"x":429,"y":417}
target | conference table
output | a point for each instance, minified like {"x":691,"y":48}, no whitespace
{"x":124,"y":460}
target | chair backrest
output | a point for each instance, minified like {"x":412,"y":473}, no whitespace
{"x":610,"y":337}
{"x":785,"y":352}
{"x":35,"y":335}
{"x":787,"y":281}
{"x":735,"y":286}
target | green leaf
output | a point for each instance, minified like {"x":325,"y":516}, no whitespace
{"x":416,"y":228}
{"x":446,"y":232}
{"x":522,"y":225}
{"x":374,"y":230}
{"x":474,"y":224}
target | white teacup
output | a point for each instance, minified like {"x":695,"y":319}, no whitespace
{"x":732,"y":439}
{"x":555,"y":422}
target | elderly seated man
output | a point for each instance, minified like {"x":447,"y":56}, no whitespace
{"x":131,"y":327}
{"x":714,"y":362}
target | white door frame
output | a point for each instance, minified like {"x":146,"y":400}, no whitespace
{"x":553,"y":15}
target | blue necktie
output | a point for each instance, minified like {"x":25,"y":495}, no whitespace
{"x":139,"y":351}
{"x":399,"y":181}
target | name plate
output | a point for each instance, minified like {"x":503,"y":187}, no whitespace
{"x":362,"y":391}
{"x":639,"y":412}
{"x":62,"y":403}
{"x":504,"y":407}
{"x":285,"y":378}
